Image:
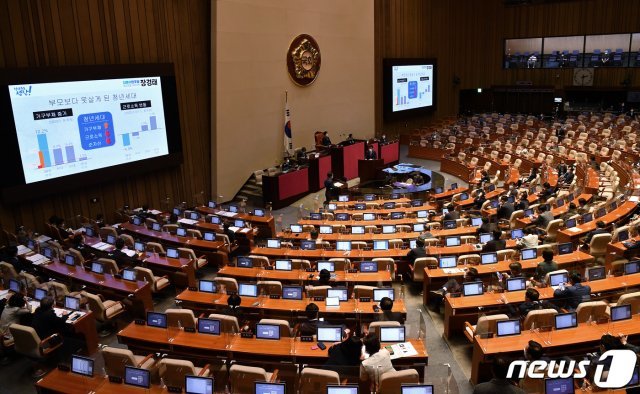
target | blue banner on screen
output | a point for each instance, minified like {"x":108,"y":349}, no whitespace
{"x":66,"y":128}
{"x":412,"y":86}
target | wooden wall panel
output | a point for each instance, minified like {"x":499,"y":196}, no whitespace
{"x":466,"y":37}
{"x":40,"y":33}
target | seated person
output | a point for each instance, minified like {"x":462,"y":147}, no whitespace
{"x":233,"y":306}
{"x":499,"y":383}
{"x":515,"y":271}
{"x":121,"y":258}
{"x":529,"y":240}
{"x":479,"y":199}
{"x":485,"y":227}
{"x":543,"y":218}
{"x":13,"y":312}
{"x":572,"y":211}
{"x":326,"y":141}
{"x":601,"y":228}
{"x":496,"y":243}
{"x":286,"y":165}
{"x":229,"y":233}
{"x":545,"y":266}
{"x":505,"y":209}
{"x":309,"y":327}
{"x":417,"y":252}
{"x":547,"y":191}
{"x":12,"y":258}
{"x":387,"y":314}
{"x":344,"y":354}
{"x":523,"y":202}
{"x":46,"y":323}
{"x":531,"y":302}
{"x":574,"y":294}
{"x":567,"y":177}
{"x":484,"y":177}
{"x":324,"y":278}
{"x":582,"y":206}
{"x":608,"y":342}
{"x":301,"y":156}
{"x":378,"y":362}
{"x":383,"y":139}
{"x":453,"y":212}
{"x":350,"y":140}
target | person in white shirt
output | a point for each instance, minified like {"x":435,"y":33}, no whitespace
{"x":378,"y":362}
{"x":530,"y":239}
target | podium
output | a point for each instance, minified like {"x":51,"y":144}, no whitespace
{"x":344,"y":160}
{"x":368,"y":170}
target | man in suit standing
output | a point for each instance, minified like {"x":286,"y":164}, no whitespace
{"x":506,"y":208}
{"x":370,"y":154}
{"x":575,"y":294}
{"x":328,"y":188}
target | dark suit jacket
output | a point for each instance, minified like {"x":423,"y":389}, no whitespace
{"x":416,"y":253}
{"x":574,"y":295}
{"x":568,"y":177}
{"x":543,"y":220}
{"x":497,"y":386}
{"x":452,"y":215}
{"x":389,"y":316}
{"x":595,"y":232}
{"x":46,"y":323}
{"x":494,"y":245}
{"x":505,"y":211}
{"x":522,"y":205}
{"x":370,"y":155}
{"x":326,"y":141}
{"x":122,"y":259}
{"x":310,"y":327}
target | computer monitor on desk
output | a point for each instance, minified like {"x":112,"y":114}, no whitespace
{"x":248,"y":289}
{"x":528,"y":254}
{"x":308,"y":244}
{"x":452,"y":241}
{"x":447,"y":262}
{"x":621,"y":312}
{"x":516,"y":284}
{"x":329,"y":333}
{"x":155,"y":319}
{"x":267,"y":331}
{"x":379,"y":294}
{"x":292,"y":292}
{"x":381,"y":245}
{"x":340,"y":293}
{"x":488,"y":258}
{"x":416,"y":389}
{"x":343,"y":389}
{"x":283,"y":265}
{"x":198,"y":385}
{"x":368,"y":266}
{"x":138,"y":377}
{"x":326,"y":265}
{"x":97,"y":268}
{"x":508,"y":327}
{"x":270,"y":388}
{"x":82,"y":365}
{"x":72,"y":303}
{"x":566,"y":320}
{"x":472,"y":289}
{"x":392,"y":334}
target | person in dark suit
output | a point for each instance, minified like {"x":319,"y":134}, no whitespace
{"x":383,"y":139}
{"x":387,"y":313}
{"x":484,"y":177}
{"x":562,"y":168}
{"x":329,"y":188}
{"x":499,"y":383}
{"x":567,"y":177}
{"x":370,"y":154}
{"x":326,"y":141}
{"x":575,"y":294}
{"x":453,"y":212}
{"x":479,"y":199}
{"x":344,"y":354}
{"x":543,"y":218}
{"x":286,"y":165}
{"x":45,"y":321}
{"x":531,"y":302}
{"x":310,"y":326}
{"x":301,"y":156}
{"x":417,"y":252}
{"x":572,"y":211}
{"x":485,"y":227}
{"x":523,"y":202}
{"x":600,"y":229}
{"x":233,"y":306}
{"x":350,"y":140}
{"x":496,"y":243}
{"x":546,"y":265}
{"x":12,"y":258}
{"x":505,"y":209}
{"x":582,"y":206}
{"x":121,"y":258}
{"x":228,"y":232}
{"x":324,"y":279}
{"x":547,"y":191}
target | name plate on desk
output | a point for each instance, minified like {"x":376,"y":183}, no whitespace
{"x":269,"y":268}
{"x":246,"y":335}
{"x":365,"y":299}
{"x":352,"y":270}
{"x":174,"y":389}
{"x":64,"y":368}
{"x":274,"y":296}
{"x":140,"y":322}
{"x":305,"y":338}
{"x":190,"y":329}
{"x":310,"y":270}
{"x":455,"y":295}
{"x":115,"y":379}
{"x":318,"y":298}
{"x":193,"y":288}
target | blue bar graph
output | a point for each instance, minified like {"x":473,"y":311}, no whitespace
{"x":135,"y":133}
{"x":153,"y":123}
{"x":57,"y":155}
{"x":43,"y":146}
{"x":71,"y":154}
{"x":126,"y":140}
{"x":145,"y":127}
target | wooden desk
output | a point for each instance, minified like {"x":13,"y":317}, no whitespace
{"x":168,"y":266}
{"x":558,"y":211}
{"x":559,"y":343}
{"x":322,"y":254}
{"x":459,"y":250}
{"x":450,"y":193}
{"x":144,"y":339}
{"x":265,"y":224}
{"x":437,"y":277}
{"x":461,"y":309}
{"x":283,"y":189}
{"x":572,"y":235}
{"x":106,"y":284}
{"x":427,"y":153}
{"x":299,"y":276}
{"x":360,"y":200}
{"x":390,"y":152}
{"x":454,"y":167}
{"x":216,"y":251}
{"x":290,"y":310}
{"x":344,"y":159}
{"x":382,"y":211}
{"x":469,"y":201}
{"x":58,"y":381}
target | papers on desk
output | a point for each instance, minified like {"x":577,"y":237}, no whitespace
{"x":34,"y":304}
{"x":101,"y":246}
{"x":245,"y":230}
{"x":452,"y":270}
{"x":129,"y":252}
{"x":23,"y":250}
{"x":3,"y":294}
{"x":155,"y":212}
{"x":227,"y":214}
{"x":338,"y":184}
{"x":574,"y":229}
{"x":38,"y":259}
{"x":43,"y":239}
{"x":422,"y":220}
{"x":634,"y":198}
{"x":399,"y":350}
{"x":234,"y":228}
{"x":186,"y":221}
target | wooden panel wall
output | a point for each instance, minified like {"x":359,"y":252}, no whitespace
{"x":39,"y":33}
{"x":467,"y":38}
